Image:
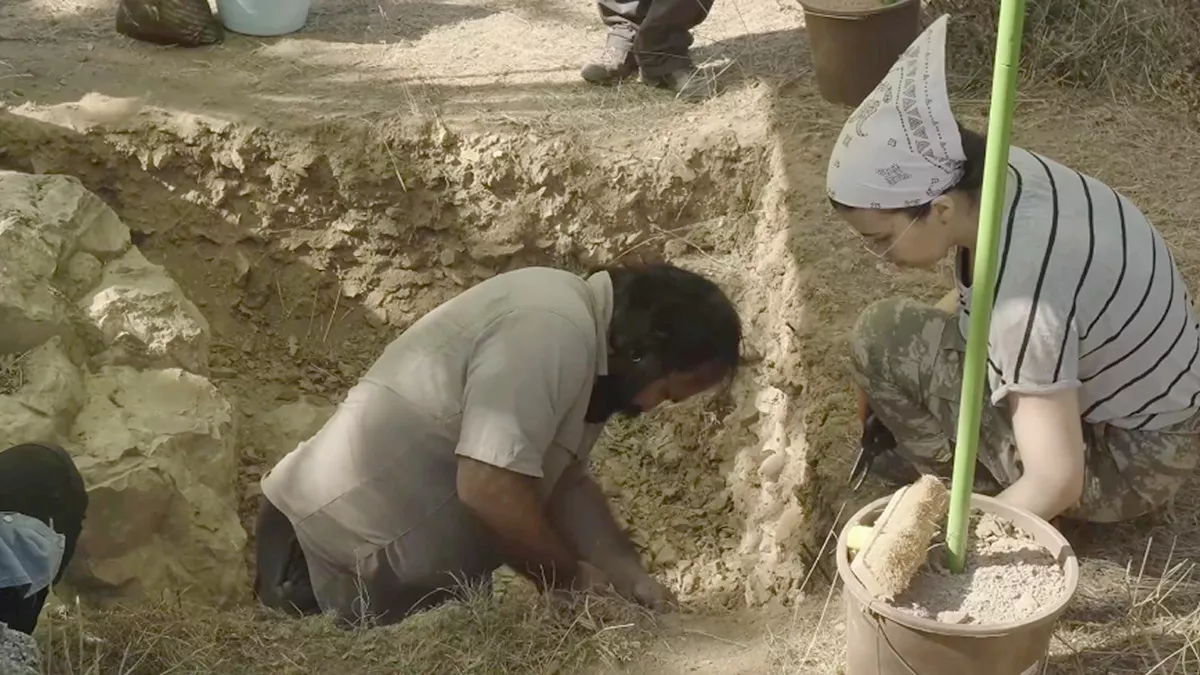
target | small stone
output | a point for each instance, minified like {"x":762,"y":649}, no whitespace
{"x":675,"y":248}
{"x":666,"y":555}
{"x":957,"y":617}
{"x":772,"y":466}
{"x":1026,"y":605}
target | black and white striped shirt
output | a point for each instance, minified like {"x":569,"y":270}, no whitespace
{"x":1087,"y":295}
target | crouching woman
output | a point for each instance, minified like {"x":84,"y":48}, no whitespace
{"x":1090,"y":407}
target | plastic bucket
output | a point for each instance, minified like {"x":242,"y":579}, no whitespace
{"x":882,"y":640}
{"x":853,"y":49}
{"x":264,"y":17}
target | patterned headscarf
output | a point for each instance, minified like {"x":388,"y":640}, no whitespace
{"x":901,"y":147}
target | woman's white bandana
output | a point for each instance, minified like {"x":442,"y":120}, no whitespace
{"x":901,"y":147}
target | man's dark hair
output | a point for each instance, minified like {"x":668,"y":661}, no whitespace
{"x":677,"y":320}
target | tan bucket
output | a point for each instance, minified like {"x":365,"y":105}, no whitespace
{"x":882,"y":640}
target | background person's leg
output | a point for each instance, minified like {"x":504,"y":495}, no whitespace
{"x":622,"y":17}
{"x":281,"y":578}
{"x":664,"y":41}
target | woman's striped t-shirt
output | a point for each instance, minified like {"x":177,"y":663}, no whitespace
{"x":1087,"y":295}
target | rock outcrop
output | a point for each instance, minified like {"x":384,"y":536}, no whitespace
{"x":111,"y":361}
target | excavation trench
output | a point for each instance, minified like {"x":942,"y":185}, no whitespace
{"x":304,"y":250}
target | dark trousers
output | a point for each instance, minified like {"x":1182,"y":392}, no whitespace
{"x":19,"y":612}
{"x":282,"y":581}
{"x":281,"y":578}
{"x":658,"y":31}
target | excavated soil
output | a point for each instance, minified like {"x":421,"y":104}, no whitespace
{"x":314,"y":194}
{"x":1008,"y":577}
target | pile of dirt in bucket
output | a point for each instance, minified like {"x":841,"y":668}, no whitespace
{"x":1008,"y":577}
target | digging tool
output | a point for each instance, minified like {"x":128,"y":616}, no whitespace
{"x":876,"y":451}
{"x":1004,"y":85}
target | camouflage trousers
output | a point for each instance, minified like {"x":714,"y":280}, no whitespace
{"x":907,"y":357}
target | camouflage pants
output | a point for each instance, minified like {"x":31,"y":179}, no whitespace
{"x":907,"y":357}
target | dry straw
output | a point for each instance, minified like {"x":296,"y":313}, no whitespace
{"x":1127,"y":49}
{"x":510,"y":633}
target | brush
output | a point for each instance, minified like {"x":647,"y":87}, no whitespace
{"x":890,"y":552}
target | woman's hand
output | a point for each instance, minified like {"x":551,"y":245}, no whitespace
{"x":1049,"y":434}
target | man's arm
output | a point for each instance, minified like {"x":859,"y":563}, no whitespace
{"x":580,"y":512}
{"x":1049,"y":436}
{"x":509,"y":506}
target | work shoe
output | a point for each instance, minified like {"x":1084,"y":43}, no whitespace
{"x":615,"y":64}
{"x":687,"y":83}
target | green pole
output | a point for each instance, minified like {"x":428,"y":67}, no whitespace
{"x":1004,"y":86}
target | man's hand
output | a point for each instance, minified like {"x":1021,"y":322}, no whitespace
{"x":648,"y":591}
{"x":591,"y":579}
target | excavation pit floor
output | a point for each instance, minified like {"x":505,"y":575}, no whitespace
{"x":313,"y":194}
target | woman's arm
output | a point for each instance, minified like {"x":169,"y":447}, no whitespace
{"x":1049,"y":434}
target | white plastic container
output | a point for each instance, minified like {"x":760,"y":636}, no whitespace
{"x":264,"y":17}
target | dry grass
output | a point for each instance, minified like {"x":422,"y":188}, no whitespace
{"x":1124,"y":48}
{"x":509,"y":633}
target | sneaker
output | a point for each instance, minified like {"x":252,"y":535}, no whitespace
{"x":614,"y":64}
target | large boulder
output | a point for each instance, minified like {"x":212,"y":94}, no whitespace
{"x":102,"y":352}
{"x":156,"y":450}
{"x":44,"y":221}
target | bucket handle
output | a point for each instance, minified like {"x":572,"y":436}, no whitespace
{"x":830,"y":15}
{"x":880,"y":632}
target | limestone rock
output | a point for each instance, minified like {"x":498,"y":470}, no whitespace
{"x":156,"y":449}
{"x":48,"y":398}
{"x":22,"y":425}
{"x":31,"y":310}
{"x":80,"y":275}
{"x":44,"y":221}
{"x":19,"y":653}
{"x":144,"y":317}
{"x":68,"y":215}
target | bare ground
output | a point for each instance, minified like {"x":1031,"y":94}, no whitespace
{"x":317,"y":192}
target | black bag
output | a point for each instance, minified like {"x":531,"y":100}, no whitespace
{"x":189,"y":23}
